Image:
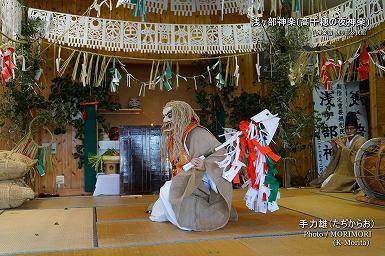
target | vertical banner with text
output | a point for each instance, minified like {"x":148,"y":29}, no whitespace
{"x":343,"y":97}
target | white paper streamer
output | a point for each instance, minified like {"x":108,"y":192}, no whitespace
{"x":208,"y":70}
{"x":236,"y":71}
{"x":83,"y":75}
{"x":273,"y":8}
{"x":258,"y":68}
{"x":141,"y":88}
{"x":38,"y":74}
{"x":23,"y":68}
{"x":355,"y":56}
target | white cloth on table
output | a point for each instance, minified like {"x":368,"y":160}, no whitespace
{"x":107,"y":184}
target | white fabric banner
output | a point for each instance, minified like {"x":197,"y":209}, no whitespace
{"x":344,"y":97}
{"x":10,"y":19}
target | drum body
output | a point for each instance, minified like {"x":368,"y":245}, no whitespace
{"x":369,"y":168}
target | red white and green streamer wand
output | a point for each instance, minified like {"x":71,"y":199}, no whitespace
{"x":253,"y":139}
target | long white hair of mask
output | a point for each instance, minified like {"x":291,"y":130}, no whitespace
{"x":182,"y":115}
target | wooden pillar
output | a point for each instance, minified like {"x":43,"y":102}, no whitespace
{"x":377,"y":101}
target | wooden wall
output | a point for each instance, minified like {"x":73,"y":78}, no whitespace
{"x":154,"y":100}
{"x":152,"y":103}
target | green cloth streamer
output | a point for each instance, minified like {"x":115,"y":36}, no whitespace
{"x":285,"y":2}
{"x":140,"y":9}
{"x":40,"y":162}
{"x":168,"y":76}
{"x":90,"y":146}
{"x":271,"y":180}
{"x":296,"y":6}
{"x":220,"y":117}
{"x":219,"y":78}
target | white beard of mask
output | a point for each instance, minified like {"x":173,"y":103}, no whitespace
{"x":167,"y":119}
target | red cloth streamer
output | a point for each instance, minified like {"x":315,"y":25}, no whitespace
{"x":8,"y":66}
{"x":245,"y":141}
{"x":324,"y":72}
{"x":236,"y":179}
{"x":363,"y":69}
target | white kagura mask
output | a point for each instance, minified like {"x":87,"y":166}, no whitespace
{"x":167,"y":119}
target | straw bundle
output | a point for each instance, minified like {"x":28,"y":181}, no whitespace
{"x":19,"y":182}
{"x":14,"y":165}
{"x":12,"y":195}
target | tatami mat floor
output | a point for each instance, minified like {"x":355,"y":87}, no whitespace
{"x":118,"y":225}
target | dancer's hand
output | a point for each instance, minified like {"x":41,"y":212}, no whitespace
{"x":339,"y":142}
{"x":198,"y":164}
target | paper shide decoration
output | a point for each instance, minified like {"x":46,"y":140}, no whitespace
{"x":95,"y":66}
{"x":97,"y":6}
{"x":218,"y":78}
{"x":168,"y":76}
{"x":116,"y":76}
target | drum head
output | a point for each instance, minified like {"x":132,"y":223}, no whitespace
{"x":367,"y":176}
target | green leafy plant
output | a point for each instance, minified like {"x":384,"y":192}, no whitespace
{"x":22,"y":99}
{"x":283,"y":97}
{"x":245,"y":106}
{"x":64,"y":104}
{"x":298,"y":123}
{"x":97,"y":161}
